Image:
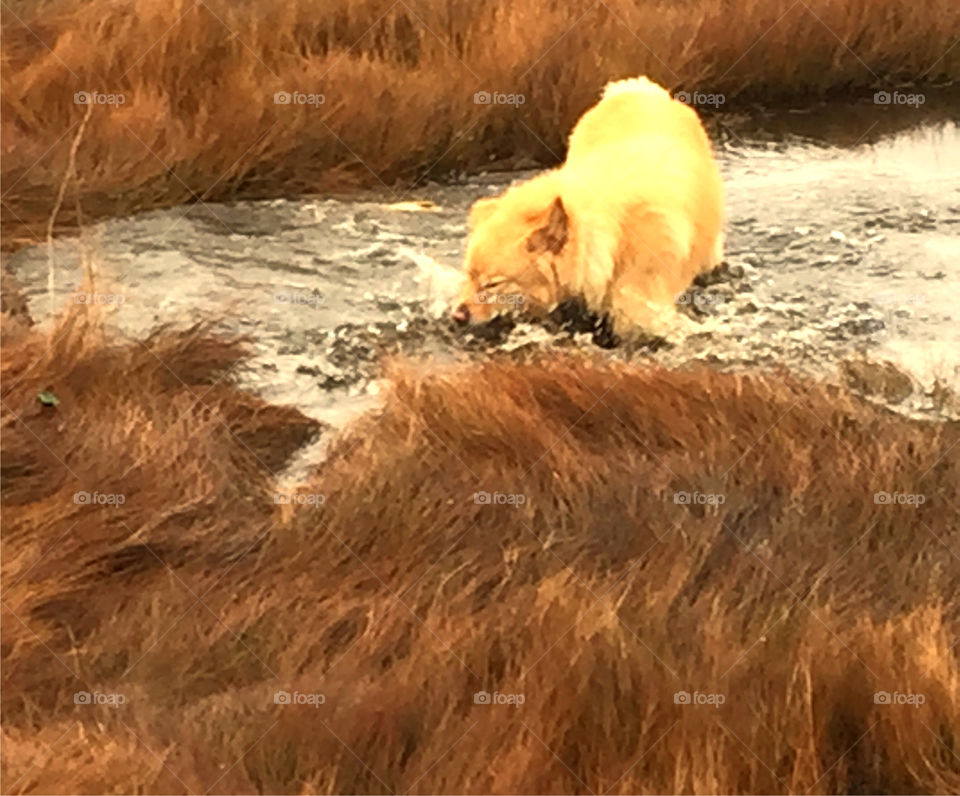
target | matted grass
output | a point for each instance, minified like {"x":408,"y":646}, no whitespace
{"x":198,"y":82}
{"x":598,"y":597}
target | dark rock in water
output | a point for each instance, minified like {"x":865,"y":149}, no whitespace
{"x":385,"y":304}
{"x":604,"y":336}
{"x":331,"y":377}
{"x":496,"y":330}
{"x":721,"y":273}
{"x":747,"y":308}
{"x":573,"y":317}
{"x":644,"y":342}
{"x":381,"y":256}
{"x":336,"y":382}
{"x":346,"y":353}
{"x":862,"y":326}
{"x":883,"y":379}
{"x":308,"y":370}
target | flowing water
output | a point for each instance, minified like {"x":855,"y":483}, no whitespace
{"x":843,"y":248}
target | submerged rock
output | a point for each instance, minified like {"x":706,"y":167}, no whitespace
{"x":877,"y":379}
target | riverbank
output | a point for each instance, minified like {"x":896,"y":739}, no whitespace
{"x":682,"y":581}
{"x":386,"y":94}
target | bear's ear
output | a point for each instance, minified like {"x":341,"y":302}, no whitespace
{"x":551,"y":237}
{"x":482,"y":210}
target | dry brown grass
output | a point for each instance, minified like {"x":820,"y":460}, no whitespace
{"x":597,"y":599}
{"x":399,"y":78}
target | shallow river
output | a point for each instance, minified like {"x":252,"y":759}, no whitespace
{"x":837,"y":246}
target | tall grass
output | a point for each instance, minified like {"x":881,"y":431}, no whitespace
{"x":198,"y":80}
{"x":597,"y":598}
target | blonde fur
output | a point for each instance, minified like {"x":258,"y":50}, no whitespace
{"x":630,"y":218}
{"x":633,"y":84}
